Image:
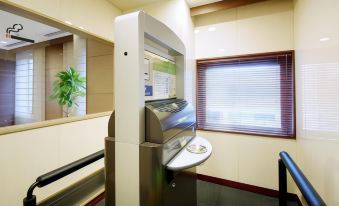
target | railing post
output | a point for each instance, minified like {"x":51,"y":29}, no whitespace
{"x":282,"y":184}
{"x":43,"y":180}
{"x":29,"y":201}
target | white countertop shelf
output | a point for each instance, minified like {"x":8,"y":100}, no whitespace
{"x":185,"y":159}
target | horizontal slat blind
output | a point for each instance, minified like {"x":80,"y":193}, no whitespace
{"x":249,"y":94}
{"x":24,"y":87}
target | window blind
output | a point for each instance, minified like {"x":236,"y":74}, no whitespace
{"x":252,"y":94}
{"x":24,"y":87}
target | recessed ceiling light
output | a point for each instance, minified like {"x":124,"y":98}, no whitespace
{"x":196,"y":31}
{"x":324,"y":39}
{"x":221,"y":50}
{"x":212,"y":29}
{"x":68,"y":22}
{"x":3,"y":42}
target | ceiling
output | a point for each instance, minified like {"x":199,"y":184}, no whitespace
{"x":31,"y":30}
{"x":133,"y":4}
{"x":195,"y":3}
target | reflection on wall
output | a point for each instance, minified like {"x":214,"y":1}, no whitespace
{"x":28,"y":77}
{"x":38,"y":84}
{"x":24,"y":87}
{"x":74,"y":55}
{"x":79,"y":56}
{"x":54,"y":64}
{"x":7,"y":91}
{"x":317,"y":73}
{"x":320,"y":106}
{"x":28,"y":73}
{"x":99,"y":77}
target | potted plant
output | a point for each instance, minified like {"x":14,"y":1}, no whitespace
{"x":67,"y":88}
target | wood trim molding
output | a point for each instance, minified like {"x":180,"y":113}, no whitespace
{"x":47,"y":43}
{"x":220,"y":5}
{"x":96,"y":200}
{"x":243,"y":56}
{"x":49,"y":123}
{"x":247,"y":187}
{"x":228,"y":183}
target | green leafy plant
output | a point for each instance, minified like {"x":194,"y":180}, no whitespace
{"x":67,"y":88}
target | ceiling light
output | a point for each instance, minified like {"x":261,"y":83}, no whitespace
{"x":68,"y":22}
{"x":196,"y":31}
{"x":221,"y":50}
{"x":212,"y":29}
{"x":324,"y":39}
{"x":3,"y":42}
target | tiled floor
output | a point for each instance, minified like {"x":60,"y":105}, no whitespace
{"x":210,"y":194}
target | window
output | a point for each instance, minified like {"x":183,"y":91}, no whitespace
{"x":24,"y":87}
{"x":252,"y":94}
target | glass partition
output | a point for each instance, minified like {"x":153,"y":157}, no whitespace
{"x":48,"y":73}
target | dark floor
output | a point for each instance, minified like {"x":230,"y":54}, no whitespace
{"x":210,"y":194}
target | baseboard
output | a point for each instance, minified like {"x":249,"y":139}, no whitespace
{"x":96,"y":200}
{"x":228,"y":183}
{"x":248,"y":187}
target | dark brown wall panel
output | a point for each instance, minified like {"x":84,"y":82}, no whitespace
{"x":7,"y":92}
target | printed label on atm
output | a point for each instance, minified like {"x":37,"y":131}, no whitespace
{"x":159,"y":76}
{"x":148,"y":90}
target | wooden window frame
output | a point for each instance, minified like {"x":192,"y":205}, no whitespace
{"x":283,"y":89}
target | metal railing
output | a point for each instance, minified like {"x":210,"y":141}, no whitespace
{"x":43,"y":180}
{"x":310,"y":194}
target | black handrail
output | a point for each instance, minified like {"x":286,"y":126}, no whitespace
{"x":43,"y":180}
{"x":310,"y":194}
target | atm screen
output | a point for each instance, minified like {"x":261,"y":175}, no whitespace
{"x":159,"y":76}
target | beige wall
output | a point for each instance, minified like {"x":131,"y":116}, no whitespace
{"x":99,"y":77}
{"x":256,"y":28}
{"x":245,"y":158}
{"x":51,"y":147}
{"x":94,"y":16}
{"x":59,"y":143}
{"x":80,"y":63}
{"x":318,"y":148}
{"x":176,"y":15}
{"x":39,"y":84}
{"x":261,"y":27}
{"x":54,"y":64}
{"x":26,"y":155}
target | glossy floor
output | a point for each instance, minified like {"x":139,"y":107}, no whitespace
{"x":210,"y":194}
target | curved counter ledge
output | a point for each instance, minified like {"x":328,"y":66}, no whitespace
{"x":185,"y":159}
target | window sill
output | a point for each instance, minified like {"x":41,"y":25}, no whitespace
{"x":49,"y":123}
{"x":248,"y":134}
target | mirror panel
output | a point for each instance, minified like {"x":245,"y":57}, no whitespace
{"x":47,"y":73}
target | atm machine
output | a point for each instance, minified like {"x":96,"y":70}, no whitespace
{"x":152,"y":150}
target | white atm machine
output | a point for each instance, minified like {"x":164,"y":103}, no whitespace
{"x":152,"y":149}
